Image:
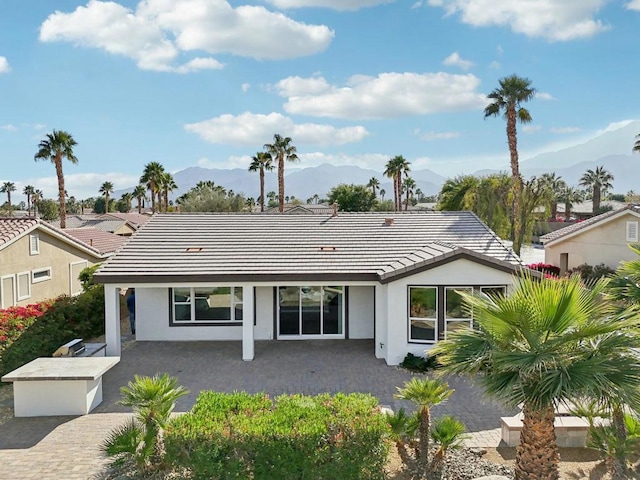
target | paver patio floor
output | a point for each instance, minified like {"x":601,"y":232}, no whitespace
{"x":68,"y":447}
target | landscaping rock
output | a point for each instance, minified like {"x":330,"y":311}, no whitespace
{"x":465,"y":464}
{"x":492,"y":477}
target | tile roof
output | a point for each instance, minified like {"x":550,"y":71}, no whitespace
{"x":215,"y":246}
{"x":11,"y":228}
{"x":576,"y":227}
{"x":104,"y":222}
{"x":104,"y":242}
{"x":136,"y":219}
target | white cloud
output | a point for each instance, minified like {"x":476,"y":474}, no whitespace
{"x":333,"y":4}
{"x":4,"y":65}
{"x":9,"y":127}
{"x":545,"y":96}
{"x":245,"y":87}
{"x":417,"y":4}
{"x":633,"y":5}
{"x":430,"y":136}
{"x":551,"y":19}
{"x":386,"y":96}
{"x":564,"y":130}
{"x":81,"y":185}
{"x":159,"y":32}
{"x":612,"y":127}
{"x":376,"y":161}
{"x":455,"y":60}
{"x":256,"y":129}
{"x":531,"y":128}
{"x":495,"y":65}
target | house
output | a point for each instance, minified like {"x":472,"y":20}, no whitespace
{"x":303,"y":208}
{"x":390,"y":277}
{"x":600,"y":239}
{"x":117,"y":223}
{"x":39,"y":261}
{"x":104,"y":242}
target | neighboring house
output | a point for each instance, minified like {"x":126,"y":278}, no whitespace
{"x":303,"y":208}
{"x":104,"y":242}
{"x":391,"y":277}
{"x":39,"y":261}
{"x":105,"y":222}
{"x":604,"y":239}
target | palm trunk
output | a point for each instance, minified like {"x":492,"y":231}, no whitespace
{"x":423,"y":450}
{"x":166,"y":200}
{"x":261,"y":189}
{"x":139,"y":206}
{"x":554,"y":210}
{"x":106,"y":203}
{"x":537,"y":456}
{"x":406,"y":202}
{"x":281,"y":184}
{"x":152,"y":189}
{"x":596,"y":199}
{"x":397,"y":192}
{"x":63,"y":208}
{"x":512,"y":140}
{"x":28,"y":205}
{"x":567,"y":212}
{"x":619,"y":461}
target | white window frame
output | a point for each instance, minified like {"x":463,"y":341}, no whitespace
{"x":306,"y":336}
{"x":34,"y":237}
{"x":191,"y":302}
{"x":41,"y":279}
{"x":632,"y":231}
{"x":71,"y":265}
{"x":434,"y":319}
{"x":456,"y":320}
{"x":17,"y":286}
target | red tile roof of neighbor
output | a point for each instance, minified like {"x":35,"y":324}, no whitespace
{"x":11,"y":228}
{"x":100,"y":240}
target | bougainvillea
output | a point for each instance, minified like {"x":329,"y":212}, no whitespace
{"x":15,"y":320}
{"x":546,"y":268}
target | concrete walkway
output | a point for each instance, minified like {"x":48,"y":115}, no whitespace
{"x":68,"y":447}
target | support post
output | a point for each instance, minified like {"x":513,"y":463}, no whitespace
{"x":248,"y":307}
{"x":112,"y":320}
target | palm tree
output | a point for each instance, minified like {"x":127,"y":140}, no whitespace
{"x":140,"y":193}
{"x":127,"y":198}
{"x":166,"y":184}
{"x":106,"y":189}
{"x":408,"y":185}
{"x":547,"y":342}
{"x":36,"y":196}
{"x":55,"y":147}
{"x":383,"y":192}
{"x":636,"y":146}
{"x":260,"y":162}
{"x":8,"y":187}
{"x":569,"y":195}
{"x":373,"y":184}
{"x":424,"y":393}
{"x":556,"y":185}
{"x":394,"y":169}
{"x":598,"y":180}
{"x":281,"y":149}
{"x":28,"y":190}
{"x":150,"y":177}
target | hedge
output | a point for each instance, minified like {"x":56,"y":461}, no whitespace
{"x":27,"y":333}
{"x":240,"y":436}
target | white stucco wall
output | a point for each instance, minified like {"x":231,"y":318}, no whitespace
{"x":606,"y":243}
{"x":361,"y":312}
{"x":457,"y":273}
{"x":381,"y":327}
{"x":152,"y":320}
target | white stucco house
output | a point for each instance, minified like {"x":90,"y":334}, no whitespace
{"x":604,"y":239}
{"x":389,"y":277}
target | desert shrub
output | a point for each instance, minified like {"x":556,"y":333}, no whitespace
{"x":546,"y":268}
{"x":62,"y":320}
{"x":416,"y":363}
{"x":590,"y":273}
{"x":239,"y":436}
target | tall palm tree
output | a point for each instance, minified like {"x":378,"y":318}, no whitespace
{"x":8,"y":187}
{"x":106,"y":189}
{"x":150,"y":177}
{"x":569,"y":195}
{"x":260,"y":162}
{"x":56,"y":146}
{"x":281,"y":149}
{"x":36,"y":196}
{"x":408,"y":185}
{"x":28,"y":190}
{"x":166,"y":184}
{"x":547,"y":342}
{"x":598,"y":180}
{"x":127,"y":198}
{"x":394,"y":169}
{"x":373,"y":184}
{"x":383,"y":192}
{"x":140,"y":193}
{"x":425,"y":393}
{"x":555,"y":185}
{"x":636,"y":146}
{"x":508,"y":100}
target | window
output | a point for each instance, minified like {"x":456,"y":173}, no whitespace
{"x":494,"y":291}
{"x":310,"y":310}
{"x":24,"y":285}
{"x":34,"y":244}
{"x":423,"y":314}
{"x":456,"y":315}
{"x":40,"y":275}
{"x":632,"y":231}
{"x":207,"y":304}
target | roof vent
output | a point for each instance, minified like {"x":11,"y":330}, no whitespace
{"x":328,"y":249}
{"x":388,"y":221}
{"x":194,"y":249}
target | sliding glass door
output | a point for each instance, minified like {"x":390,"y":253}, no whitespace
{"x":310,"y":311}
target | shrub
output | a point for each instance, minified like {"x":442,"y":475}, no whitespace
{"x":546,"y":268}
{"x":416,"y":363}
{"x":238,"y":436}
{"x":591,"y":274}
{"x":28,"y":335}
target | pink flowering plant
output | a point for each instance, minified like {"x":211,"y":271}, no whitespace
{"x":15,"y":320}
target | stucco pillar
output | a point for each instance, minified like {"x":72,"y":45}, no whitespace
{"x":248,"y":347}
{"x":381,"y":321}
{"x":112,"y":319}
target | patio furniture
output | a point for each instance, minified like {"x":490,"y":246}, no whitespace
{"x":59,"y":386}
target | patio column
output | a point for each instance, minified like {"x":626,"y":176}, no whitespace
{"x":248,"y":309}
{"x":112,"y":319}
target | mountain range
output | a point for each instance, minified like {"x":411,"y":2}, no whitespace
{"x":610,"y":148}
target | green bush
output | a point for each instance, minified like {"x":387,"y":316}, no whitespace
{"x":67,"y":318}
{"x":416,"y":363}
{"x":590,"y":273}
{"x":239,"y":436}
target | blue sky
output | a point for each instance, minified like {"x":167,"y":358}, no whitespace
{"x":208,"y":82}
